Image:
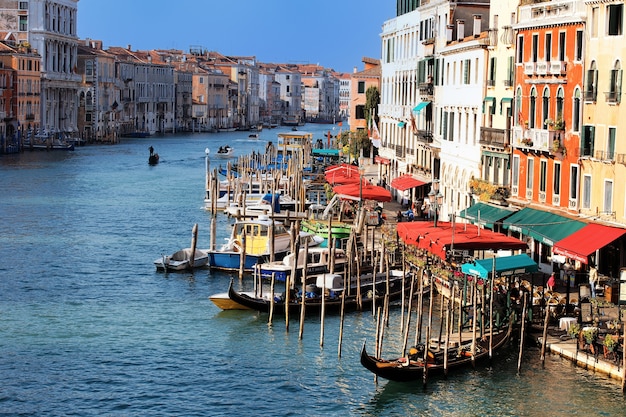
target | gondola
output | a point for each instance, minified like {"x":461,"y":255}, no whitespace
{"x":399,"y":370}
{"x":332,"y":303}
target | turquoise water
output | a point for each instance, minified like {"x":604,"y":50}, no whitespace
{"x":88,"y":327}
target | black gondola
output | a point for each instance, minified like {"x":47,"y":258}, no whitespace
{"x":332,"y":303}
{"x":406,"y":368}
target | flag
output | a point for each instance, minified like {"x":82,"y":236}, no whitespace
{"x":413,"y":124}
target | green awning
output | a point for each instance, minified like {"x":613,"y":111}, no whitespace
{"x":504,"y":101}
{"x":541,"y":225}
{"x":325,"y":152}
{"x":401,"y":124}
{"x":505,"y":265}
{"x":420,"y":106}
{"x":481,"y":213}
{"x":492,"y":100}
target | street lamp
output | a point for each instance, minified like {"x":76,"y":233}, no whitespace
{"x":361,"y":172}
{"x":436,"y":198}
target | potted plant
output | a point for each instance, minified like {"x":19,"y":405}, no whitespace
{"x":527,"y":141}
{"x":559,"y":124}
{"x":574,"y":330}
{"x":590,"y":334}
{"x":610,"y":343}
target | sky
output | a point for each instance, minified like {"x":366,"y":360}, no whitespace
{"x":335,"y":34}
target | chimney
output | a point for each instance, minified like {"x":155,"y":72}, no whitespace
{"x":477,"y":24}
{"x":460,"y":29}
{"x":128,"y":47}
{"x":354,"y":70}
{"x":449,"y":29}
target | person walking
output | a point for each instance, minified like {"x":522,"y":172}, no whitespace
{"x":593,"y":279}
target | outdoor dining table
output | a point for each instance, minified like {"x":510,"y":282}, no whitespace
{"x":566,"y":322}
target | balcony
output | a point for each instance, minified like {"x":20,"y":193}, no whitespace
{"x":558,"y":67}
{"x":541,"y":68}
{"x":425,"y":136}
{"x":426,"y":91}
{"x":529,"y":68}
{"x":497,"y":138}
{"x":611,"y":97}
{"x":400,"y":151}
{"x":493,"y":37}
{"x":30,"y":116}
{"x":539,"y":140}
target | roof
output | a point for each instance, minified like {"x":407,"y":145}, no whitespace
{"x":542,"y":225}
{"x":582,"y":243}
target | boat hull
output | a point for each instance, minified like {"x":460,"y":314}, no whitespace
{"x":231,"y":260}
{"x":179,"y":261}
{"x":223,"y":301}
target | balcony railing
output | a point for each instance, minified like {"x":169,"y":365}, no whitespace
{"x":425,"y":135}
{"x":499,"y":138}
{"x":540,"y":140}
{"x":426,"y":89}
{"x":611,"y":97}
{"x":400,"y":151}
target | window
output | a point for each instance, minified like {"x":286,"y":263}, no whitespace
{"x":492,"y":72}
{"x":588,"y":137}
{"x":359,"y":112}
{"x":556,"y":180}
{"x":515,"y":173}
{"x":573,"y":184}
{"x":509,"y":81}
{"x":361,"y":87}
{"x":559,"y":104}
{"x":586,"y":191}
{"x":23,"y":23}
{"x":451,"y":130}
{"x":576,"y":111}
{"x":579,"y":46}
{"x":532,"y":108}
{"x":545,"y":108}
{"x":608,"y":197}
{"x":23,"y":5}
{"x":548,"y":46}
{"x":591,"y":83}
{"x":561,"y":46}
{"x":535,"y":51}
{"x":610,"y":146}
{"x":520,"y":49}
{"x":466,"y":71}
{"x":543,"y":175}
{"x":518,"y":106}
{"x":594,"y":22}
{"x":615,"y":19}
{"x":615,"y":88}
{"x":530,"y":173}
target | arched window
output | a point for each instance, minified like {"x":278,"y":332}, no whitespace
{"x":532,"y":109}
{"x":615,"y":90}
{"x":545,"y":107}
{"x":576,"y":110}
{"x":591,"y":83}
{"x":559,"y":104}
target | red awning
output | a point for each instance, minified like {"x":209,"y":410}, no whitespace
{"x":582,"y":243}
{"x":438,"y":240}
{"x":367,"y":191}
{"x":406,"y":182}
{"x":381,"y":160}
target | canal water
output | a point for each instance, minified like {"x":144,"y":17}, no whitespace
{"x":88,"y":327}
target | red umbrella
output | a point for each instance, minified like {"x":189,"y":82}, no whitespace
{"x":366,"y":190}
{"x":342,"y":174}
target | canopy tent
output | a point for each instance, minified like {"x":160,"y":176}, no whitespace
{"x":366,"y":190}
{"x":438,"y":240}
{"x":342,"y":174}
{"x":482,"y":213}
{"x":579,"y":245}
{"x":505,"y":265}
{"x":406,"y":182}
{"x":542,"y":225}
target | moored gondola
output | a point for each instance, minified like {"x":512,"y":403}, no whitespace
{"x":411,"y":367}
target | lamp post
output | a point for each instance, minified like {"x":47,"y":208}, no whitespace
{"x":361,"y":172}
{"x":436,"y":198}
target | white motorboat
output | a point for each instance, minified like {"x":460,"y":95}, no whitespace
{"x":225,"y":151}
{"x":181,"y":260}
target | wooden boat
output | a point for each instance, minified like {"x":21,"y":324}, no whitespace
{"x":225,"y":151}
{"x":253,"y":135}
{"x":333,"y":285}
{"x":223,"y":301}
{"x":411,"y":367}
{"x":338,"y":230}
{"x":317,"y":262}
{"x":257,"y":244}
{"x":181,"y":260}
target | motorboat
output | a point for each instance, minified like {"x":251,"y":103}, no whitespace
{"x":252,"y":238}
{"x":226,"y":151}
{"x":182,"y":260}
